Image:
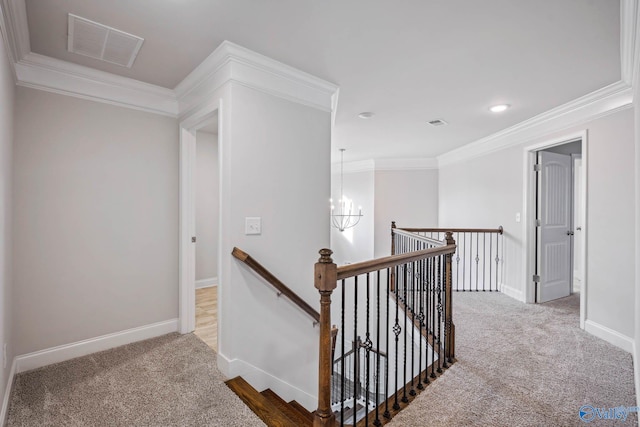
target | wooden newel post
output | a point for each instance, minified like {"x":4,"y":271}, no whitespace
{"x":325,"y":281}
{"x":449,"y":327}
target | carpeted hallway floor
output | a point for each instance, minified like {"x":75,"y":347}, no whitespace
{"x":167,"y":381}
{"x":518,"y":365}
{"x":524,"y":365}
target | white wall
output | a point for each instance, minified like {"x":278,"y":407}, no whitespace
{"x":354,"y":244}
{"x":95,"y":219}
{"x":275,"y":160}
{"x":408,"y":197}
{"x":207,"y":205}
{"x":488,"y":191}
{"x":636,"y":97}
{"x":7,"y":94}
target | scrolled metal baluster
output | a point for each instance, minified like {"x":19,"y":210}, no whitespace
{"x":439,"y":295}
{"x":396,"y":330}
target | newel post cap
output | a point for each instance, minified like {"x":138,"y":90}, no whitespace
{"x":325,"y":272}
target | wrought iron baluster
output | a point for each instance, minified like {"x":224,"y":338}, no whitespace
{"x":412,"y":392}
{"x":404,"y":337}
{"x":484,"y":261}
{"x":367,"y":347}
{"x":497,"y":257}
{"x":477,"y":258}
{"x":439,"y":307}
{"x":342,"y":371}
{"x":377,"y":422}
{"x":356,"y":348}
{"x":432,"y":317}
{"x":396,"y":330}
{"x":420,"y":319}
{"x":386,"y":413}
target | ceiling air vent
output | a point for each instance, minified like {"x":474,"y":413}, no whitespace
{"x":99,"y":41}
{"x":437,"y":122}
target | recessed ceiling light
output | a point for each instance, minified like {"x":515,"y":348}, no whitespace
{"x":499,"y":108}
{"x":365,"y":115}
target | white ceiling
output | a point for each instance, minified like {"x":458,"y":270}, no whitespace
{"x":408,"y":62}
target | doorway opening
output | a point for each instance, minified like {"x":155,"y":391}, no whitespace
{"x":200,"y":282}
{"x":207,"y":210}
{"x":555,"y":247}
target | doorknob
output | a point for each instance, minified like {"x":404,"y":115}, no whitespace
{"x":569,"y":233}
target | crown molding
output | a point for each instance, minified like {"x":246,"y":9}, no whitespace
{"x":376,"y":165}
{"x":610,"y":99}
{"x":354,"y":167}
{"x":14,"y":18}
{"x":628,"y":39}
{"x":406,"y":164}
{"x":53,"y":75}
{"x":233,"y":63}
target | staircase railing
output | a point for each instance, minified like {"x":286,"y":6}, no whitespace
{"x":281,"y":288}
{"x":352,"y":370}
{"x":477,"y":263}
{"x":410,"y":325}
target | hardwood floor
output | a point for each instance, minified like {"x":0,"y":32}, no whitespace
{"x":207,"y":316}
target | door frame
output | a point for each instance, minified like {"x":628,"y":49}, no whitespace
{"x":529,"y":228}
{"x":187,"y":253}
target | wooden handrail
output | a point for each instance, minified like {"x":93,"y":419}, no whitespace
{"x":498,"y":230}
{"x":356,"y":269}
{"x":430,"y":240}
{"x":276,"y":283}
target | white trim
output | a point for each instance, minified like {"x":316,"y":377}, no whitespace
{"x":529,"y":216}
{"x":17,"y":28}
{"x":628,"y":28}
{"x":405,"y":164}
{"x":514,"y":293}
{"x":186,"y":249}
{"x":605,"y":101}
{"x":373,"y":165}
{"x":261,"y":380}
{"x":187,"y":253}
{"x":636,"y":371}
{"x":609,"y":335}
{"x":207,"y":283}
{"x":354,"y":167}
{"x":53,"y":75}
{"x":7,"y":393}
{"x":233,"y":62}
{"x":38,"y":359}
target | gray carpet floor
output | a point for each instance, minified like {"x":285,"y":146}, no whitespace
{"x":523,"y":365}
{"x":167,"y":381}
{"x":518,"y":365}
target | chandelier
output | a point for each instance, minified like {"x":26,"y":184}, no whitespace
{"x":344,"y":216}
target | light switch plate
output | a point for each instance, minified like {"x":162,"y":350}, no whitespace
{"x":517,"y":216}
{"x":252,"y":225}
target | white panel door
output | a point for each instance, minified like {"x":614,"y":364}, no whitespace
{"x":554,"y":231}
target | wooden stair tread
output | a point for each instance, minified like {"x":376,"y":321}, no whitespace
{"x":302,"y":411}
{"x":259,"y":404}
{"x":287,"y":409}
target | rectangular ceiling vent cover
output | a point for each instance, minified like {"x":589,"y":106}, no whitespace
{"x":437,"y":122}
{"x":99,"y":41}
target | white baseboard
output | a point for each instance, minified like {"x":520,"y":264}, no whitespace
{"x":7,"y":393}
{"x":636,"y":372}
{"x":512,"y":292}
{"x":261,"y":380}
{"x":206,"y":283}
{"x":38,"y":359}
{"x":609,"y":335}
